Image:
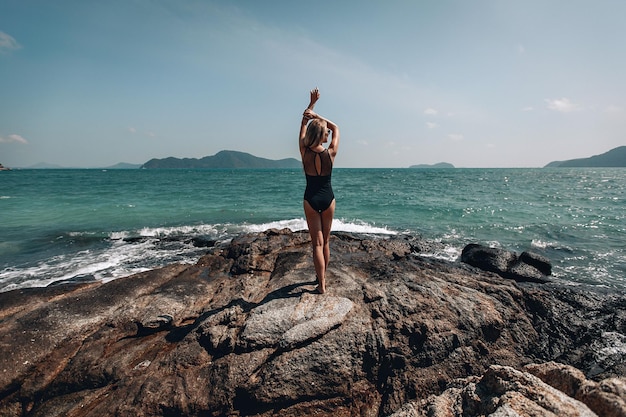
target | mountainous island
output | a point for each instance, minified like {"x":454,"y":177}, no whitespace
{"x":124,"y":165}
{"x":46,"y":165}
{"x":438,"y":165}
{"x":613,"y":158}
{"x":222,"y":159}
{"x":241,"y":160}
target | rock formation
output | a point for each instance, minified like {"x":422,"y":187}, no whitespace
{"x":556,"y":390}
{"x":528,"y":266}
{"x":241,"y":333}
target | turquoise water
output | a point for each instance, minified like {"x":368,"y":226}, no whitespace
{"x":59,"y":224}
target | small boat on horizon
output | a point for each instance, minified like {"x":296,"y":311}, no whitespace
{"x":3,"y":168}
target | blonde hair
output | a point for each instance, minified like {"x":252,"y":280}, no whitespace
{"x":315,"y":133}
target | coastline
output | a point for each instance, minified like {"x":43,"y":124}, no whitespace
{"x":65,"y":223}
{"x":242,"y":332}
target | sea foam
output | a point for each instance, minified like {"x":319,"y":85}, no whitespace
{"x":127,"y":252}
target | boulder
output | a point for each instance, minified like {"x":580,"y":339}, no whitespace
{"x":527,"y":267}
{"x":539,"y":262}
{"x":547,"y":389}
{"x":502,"y":391}
{"x":242,"y":332}
{"x":606,"y":398}
{"x":487,"y":258}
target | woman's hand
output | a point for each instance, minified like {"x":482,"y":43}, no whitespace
{"x":309,"y":114}
{"x":315,"y":95}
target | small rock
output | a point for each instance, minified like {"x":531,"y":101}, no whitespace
{"x":155,"y":324}
{"x":488,"y":259}
{"x":523,"y":272}
{"x":538,"y":261}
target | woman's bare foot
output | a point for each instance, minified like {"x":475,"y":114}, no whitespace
{"x":321,"y":286}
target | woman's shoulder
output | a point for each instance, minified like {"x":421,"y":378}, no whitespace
{"x":316,"y":149}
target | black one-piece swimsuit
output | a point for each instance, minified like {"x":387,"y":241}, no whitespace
{"x":319,"y":191}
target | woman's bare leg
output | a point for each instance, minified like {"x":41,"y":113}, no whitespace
{"x":319,"y":229}
{"x":327,"y":222}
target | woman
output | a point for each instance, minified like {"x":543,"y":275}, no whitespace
{"x":319,"y":200}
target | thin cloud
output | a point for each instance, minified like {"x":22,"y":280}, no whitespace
{"x":562,"y":105}
{"x":8,"y":43}
{"x":430,"y":112}
{"x":528,"y":108}
{"x":283,"y":47}
{"x":431,"y":125}
{"x":456,"y":137}
{"x":614,"y":109}
{"x":134,"y":131}
{"x":13,"y":139}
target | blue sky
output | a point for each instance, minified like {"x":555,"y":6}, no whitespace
{"x":484,"y":83}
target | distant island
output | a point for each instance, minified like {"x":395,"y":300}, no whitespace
{"x":124,"y":165}
{"x":615,"y":158}
{"x":222,"y":159}
{"x":439,"y":165}
{"x":46,"y":165}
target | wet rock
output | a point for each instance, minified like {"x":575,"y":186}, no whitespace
{"x":488,"y":259}
{"x":203,"y":242}
{"x":524,"y":272}
{"x":539,"y":262}
{"x":78,"y":279}
{"x":527,"y":267}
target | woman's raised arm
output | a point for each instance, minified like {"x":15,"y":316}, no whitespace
{"x":334,"y":142}
{"x":314,"y":96}
{"x":334,"y":128}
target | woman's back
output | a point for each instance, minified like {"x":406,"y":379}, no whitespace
{"x":317,"y":163}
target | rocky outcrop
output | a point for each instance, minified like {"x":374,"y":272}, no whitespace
{"x":606,"y":398}
{"x":528,"y":266}
{"x":556,"y":390}
{"x":243,"y":333}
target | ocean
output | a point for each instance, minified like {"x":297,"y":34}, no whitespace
{"x":62,"y":224}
